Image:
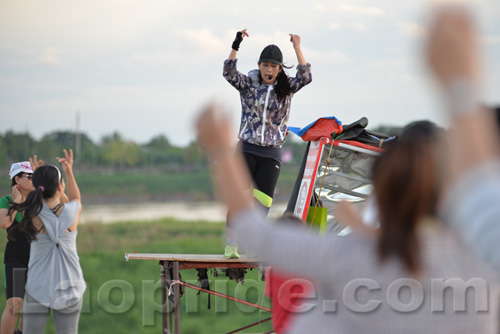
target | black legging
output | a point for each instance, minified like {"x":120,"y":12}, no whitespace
{"x":265,"y":173}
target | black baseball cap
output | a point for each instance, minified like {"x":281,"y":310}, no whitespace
{"x":272,"y":54}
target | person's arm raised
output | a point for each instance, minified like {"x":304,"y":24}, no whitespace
{"x":453,"y":58}
{"x":35,"y":163}
{"x":71,"y":186}
{"x":295,"y":39}
{"x":471,"y":200}
{"x":67,"y":166}
{"x":229,"y":170}
{"x":236,"y":43}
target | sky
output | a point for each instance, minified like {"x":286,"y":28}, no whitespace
{"x":147,"y":67}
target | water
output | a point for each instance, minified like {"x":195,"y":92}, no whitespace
{"x":184,"y":211}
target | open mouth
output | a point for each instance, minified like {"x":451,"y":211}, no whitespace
{"x":269,"y":77}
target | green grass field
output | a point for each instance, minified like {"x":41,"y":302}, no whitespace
{"x":124,"y":297}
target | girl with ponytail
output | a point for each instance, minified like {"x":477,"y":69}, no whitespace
{"x":46,"y":183}
{"x":50,"y":220}
{"x":266,"y":94}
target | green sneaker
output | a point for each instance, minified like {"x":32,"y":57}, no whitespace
{"x":231,"y":251}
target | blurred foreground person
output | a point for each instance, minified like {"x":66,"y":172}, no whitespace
{"x":416,"y":275}
{"x":392,"y":283}
{"x":474,"y":186}
{"x":55,"y":280}
{"x":286,"y":292}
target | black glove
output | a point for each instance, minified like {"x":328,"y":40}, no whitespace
{"x":237,"y":41}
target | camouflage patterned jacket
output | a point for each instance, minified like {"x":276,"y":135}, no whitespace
{"x":263,"y":118}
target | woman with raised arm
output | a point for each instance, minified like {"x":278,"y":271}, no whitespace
{"x":17,"y":251}
{"x":55,"y":281}
{"x":266,"y":94}
{"x":411,"y":276}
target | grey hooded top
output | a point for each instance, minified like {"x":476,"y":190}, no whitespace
{"x":357,"y":293}
{"x":55,"y":278}
{"x":264,"y":118}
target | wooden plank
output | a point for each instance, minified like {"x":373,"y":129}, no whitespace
{"x":196,"y":265}
{"x":213,"y":258}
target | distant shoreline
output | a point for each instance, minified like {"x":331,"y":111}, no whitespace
{"x":212,"y":212}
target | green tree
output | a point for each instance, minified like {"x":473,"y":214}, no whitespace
{"x":120,"y":152}
{"x":3,"y":153}
{"x":84,"y":154}
{"x":47,"y":149}
{"x":193,"y":154}
{"x":159,"y":152}
{"x":159,"y":142}
{"x":156,"y":151}
{"x":19,"y":146}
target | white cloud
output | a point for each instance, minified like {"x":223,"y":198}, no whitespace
{"x":356,"y":26}
{"x":319,"y":7}
{"x":334,"y":26}
{"x":155,"y":59}
{"x":204,"y":41}
{"x":411,"y":29}
{"x":452,"y":2}
{"x":185,"y":50}
{"x":96,"y":26}
{"x":144,"y":67}
{"x":360,"y":10}
{"x":491,"y":40}
{"x":53,"y":56}
{"x":319,"y":58}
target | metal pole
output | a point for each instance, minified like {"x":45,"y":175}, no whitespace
{"x":169,"y":304}
{"x":164,"y":297}
{"x":177,"y":306}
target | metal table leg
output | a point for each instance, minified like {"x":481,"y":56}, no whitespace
{"x":177,"y":306}
{"x":164,"y":277}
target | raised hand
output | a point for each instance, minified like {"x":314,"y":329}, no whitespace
{"x":452,"y":47}
{"x":16,"y":195}
{"x":347,"y":215}
{"x":35,"y":163}
{"x":244,"y":33}
{"x":237,"y":41}
{"x":295,"y":39}
{"x":67,"y":161}
{"x":214,"y":129}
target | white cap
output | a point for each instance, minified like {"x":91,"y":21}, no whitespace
{"x":18,"y":167}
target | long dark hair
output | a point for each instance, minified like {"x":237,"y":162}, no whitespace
{"x":406,"y":185}
{"x":46,"y":179}
{"x":282,"y":87}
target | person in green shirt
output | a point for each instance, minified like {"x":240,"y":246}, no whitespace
{"x":17,"y":251}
